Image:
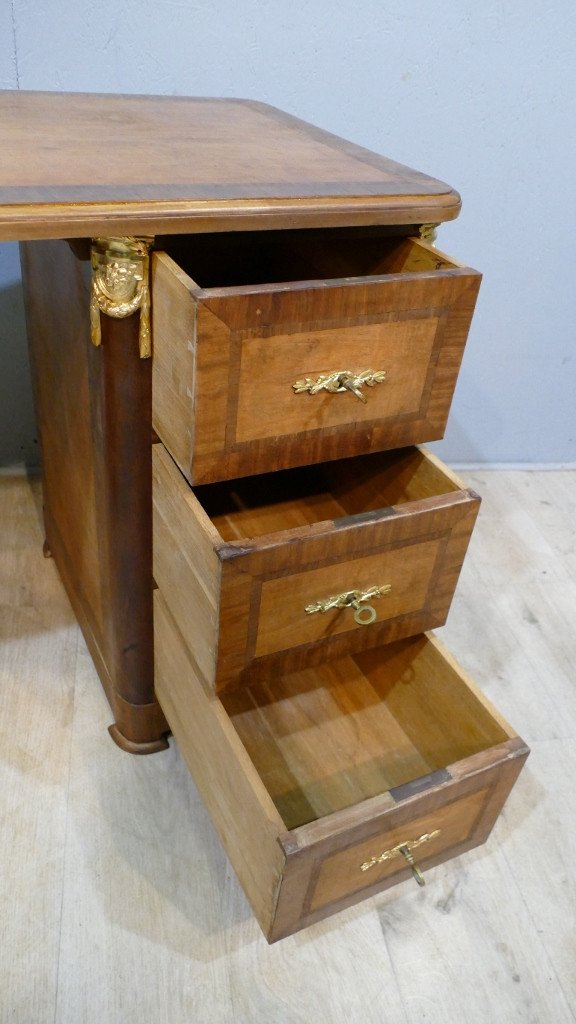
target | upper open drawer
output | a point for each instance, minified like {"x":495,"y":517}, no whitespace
{"x":280,"y":349}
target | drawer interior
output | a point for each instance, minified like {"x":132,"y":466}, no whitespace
{"x":326,"y":738}
{"x":256,"y":506}
{"x":267,"y":257}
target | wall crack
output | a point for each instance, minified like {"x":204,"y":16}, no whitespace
{"x":13,"y":17}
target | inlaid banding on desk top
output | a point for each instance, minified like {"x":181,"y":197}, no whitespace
{"x":122,"y":193}
{"x":57,"y":147}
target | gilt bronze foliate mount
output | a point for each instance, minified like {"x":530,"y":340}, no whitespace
{"x":339,"y":381}
{"x":404,"y":850}
{"x":121,"y":285}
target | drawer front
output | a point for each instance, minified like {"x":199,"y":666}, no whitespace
{"x":244,"y":378}
{"x":265,"y":624}
{"x":286,"y":601}
{"x":247,"y":608}
{"x":274,"y":384}
{"x":368,"y":863}
{"x":455,"y":813}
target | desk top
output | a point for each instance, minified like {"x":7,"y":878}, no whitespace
{"x":75,"y":165}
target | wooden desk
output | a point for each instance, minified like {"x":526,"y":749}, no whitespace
{"x":304,"y":334}
{"x":75,"y":166}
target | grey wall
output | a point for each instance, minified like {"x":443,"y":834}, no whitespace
{"x":482,"y":95}
{"x":17,"y":430}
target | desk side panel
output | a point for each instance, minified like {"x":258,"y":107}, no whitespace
{"x":93,"y":411}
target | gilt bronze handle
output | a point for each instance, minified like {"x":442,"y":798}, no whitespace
{"x":364,"y":613}
{"x":403,"y":850}
{"x":341,"y":380}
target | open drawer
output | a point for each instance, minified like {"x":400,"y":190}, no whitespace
{"x":323,"y":784}
{"x":280,"y":571}
{"x":285,"y":348}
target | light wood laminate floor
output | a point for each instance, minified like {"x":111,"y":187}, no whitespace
{"x":118,"y":905}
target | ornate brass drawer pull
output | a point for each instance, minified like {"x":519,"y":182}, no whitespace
{"x":364,"y":613}
{"x":403,"y":850}
{"x":341,"y":380}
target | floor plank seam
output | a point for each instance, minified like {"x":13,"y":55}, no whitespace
{"x":545,"y":953}
{"x":79,"y":641}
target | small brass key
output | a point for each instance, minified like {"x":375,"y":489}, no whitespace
{"x":407,"y":854}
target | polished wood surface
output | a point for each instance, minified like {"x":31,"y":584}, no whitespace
{"x":72,"y":163}
{"x":238,"y":320}
{"x":239,"y":562}
{"x":351,"y":728}
{"x":357,"y":755}
{"x":93,"y":409}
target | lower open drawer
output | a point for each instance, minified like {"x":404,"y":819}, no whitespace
{"x":323,"y":783}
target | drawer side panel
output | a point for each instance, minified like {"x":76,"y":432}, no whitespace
{"x":185,"y":564}
{"x":239,"y":806}
{"x":174,"y":357}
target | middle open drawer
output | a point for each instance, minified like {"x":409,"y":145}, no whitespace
{"x":287,"y":569}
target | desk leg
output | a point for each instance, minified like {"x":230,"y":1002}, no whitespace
{"x":94,"y":421}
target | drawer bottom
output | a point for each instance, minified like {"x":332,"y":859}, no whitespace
{"x":325,"y":784}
